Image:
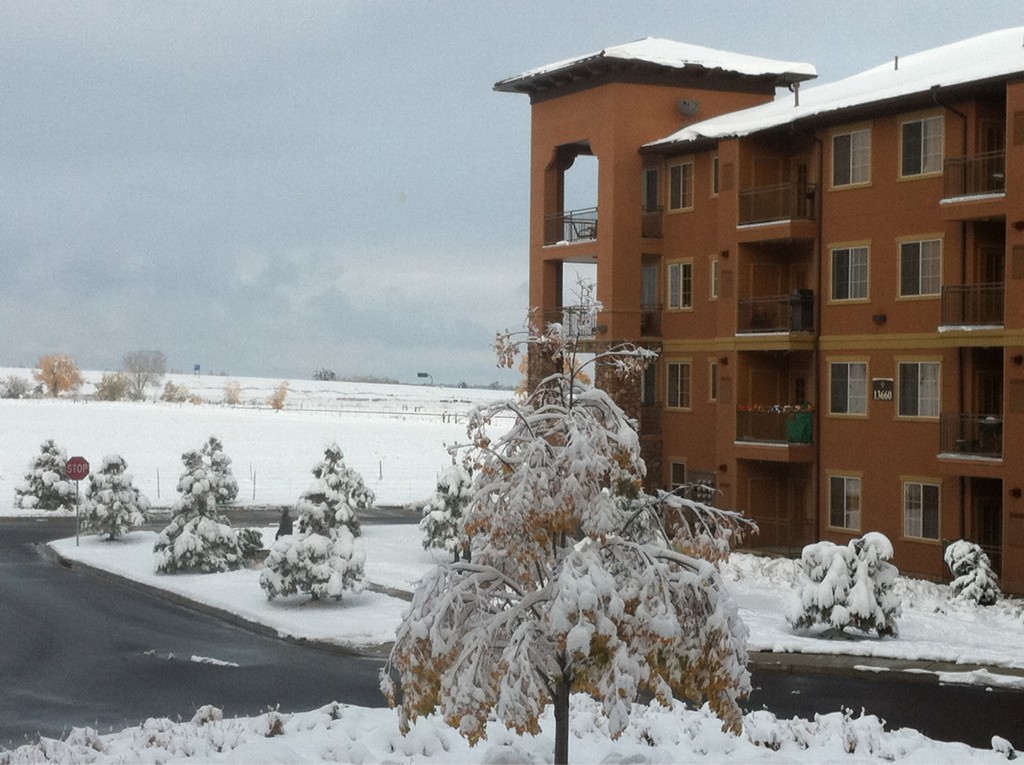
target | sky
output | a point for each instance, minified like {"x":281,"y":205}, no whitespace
{"x":273,"y":188}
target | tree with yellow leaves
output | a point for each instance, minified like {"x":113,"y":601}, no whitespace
{"x":579,"y":581}
{"x":58,"y":373}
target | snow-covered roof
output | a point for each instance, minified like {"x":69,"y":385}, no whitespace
{"x":665,"y":54}
{"x":986,"y":57}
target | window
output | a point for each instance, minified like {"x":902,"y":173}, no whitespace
{"x":649,"y":390}
{"x":680,"y":285}
{"x":850,"y":273}
{"x":713,"y":382}
{"x":650,"y":189}
{"x":919,"y":389}
{"x":714,"y":278}
{"x":678,"y":477}
{"x":679,"y":385}
{"x":851,"y":158}
{"x":714,"y":176}
{"x":680,"y":186}
{"x":920,"y":510}
{"x":922,"y":147}
{"x":920,"y":267}
{"x":844,"y":502}
{"x":849,"y":391}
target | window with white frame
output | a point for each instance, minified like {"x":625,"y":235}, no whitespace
{"x":680,"y":285}
{"x":850,"y":273}
{"x":651,"y":197}
{"x":715,"y":266}
{"x":844,"y":502}
{"x":849,"y":387}
{"x":678,"y":385}
{"x":920,"y":267}
{"x":919,"y":389}
{"x":714,"y":176}
{"x":680,"y":186}
{"x":851,"y":158}
{"x":713,"y":381}
{"x":921,"y":147}
{"x":920,"y":510}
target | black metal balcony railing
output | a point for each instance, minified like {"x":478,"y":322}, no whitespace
{"x":650,"y":320}
{"x":775,"y":425}
{"x":576,"y":321}
{"x":651,"y":222}
{"x":571,"y":226}
{"x":778,"y":313}
{"x":972,"y":305}
{"x":980,"y":174}
{"x":971,"y":435}
{"x":785,"y":201}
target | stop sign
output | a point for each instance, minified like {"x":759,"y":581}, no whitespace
{"x":77,"y":468}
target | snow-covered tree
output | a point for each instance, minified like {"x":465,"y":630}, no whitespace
{"x":114,"y":506}
{"x":46,"y":486}
{"x":574,"y":584}
{"x":848,"y":586}
{"x":973,"y":577}
{"x":442,"y":516}
{"x":327,"y":556}
{"x":314,"y":564}
{"x":199,"y":537}
{"x":335,"y":498}
{"x":58,"y":373}
{"x":220,"y":470}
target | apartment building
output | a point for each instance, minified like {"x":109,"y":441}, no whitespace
{"x":833,"y":275}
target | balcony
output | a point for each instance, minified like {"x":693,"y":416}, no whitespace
{"x":971,"y":435}
{"x":651,"y":222}
{"x":784,"y":201}
{"x":774,"y":424}
{"x":973,"y":305}
{"x":979,"y":175}
{"x":570,"y":226}
{"x":777,"y":313}
{"x":576,"y":321}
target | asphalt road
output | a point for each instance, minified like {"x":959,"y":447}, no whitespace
{"x":78,"y":650}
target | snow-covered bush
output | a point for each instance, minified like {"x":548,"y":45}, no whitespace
{"x":199,"y":537}
{"x":113,"y":386}
{"x":442,"y":516}
{"x":175,"y":394}
{"x":46,"y":486}
{"x":973,"y":577}
{"x":114,"y":506}
{"x":568,"y":591}
{"x":848,"y":586}
{"x":335,"y":498}
{"x":327,"y":556}
{"x":14,"y":386}
{"x":320,"y":566}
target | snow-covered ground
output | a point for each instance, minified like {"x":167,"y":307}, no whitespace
{"x":399,"y":451}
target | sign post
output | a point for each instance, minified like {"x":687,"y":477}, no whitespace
{"x":76,"y":468}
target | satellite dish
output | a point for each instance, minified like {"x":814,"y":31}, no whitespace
{"x":687,"y":108}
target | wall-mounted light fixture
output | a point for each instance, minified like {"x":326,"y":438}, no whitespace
{"x":1015,"y":492}
{"x":1018,"y":359}
{"x":724,"y":361}
{"x":1019,"y":225}
{"x":879,"y":318}
{"x":723,"y":468}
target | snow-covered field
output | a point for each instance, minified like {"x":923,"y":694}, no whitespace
{"x":397,"y":442}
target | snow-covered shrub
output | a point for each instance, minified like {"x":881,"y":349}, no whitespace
{"x":114,"y":506}
{"x":199,"y":537}
{"x":113,"y":386}
{"x":320,"y":566}
{"x":15,"y":387}
{"x":175,"y":394}
{"x":567,"y":590}
{"x":335,"y":498}
{"x":197,"y":544}
{"x":46,"y":486}
{"x":233,"y":393}
{"x":974,"y":579}
{"x":327,"y":556}
{"x":442,"y":516}
{"x":848,"y":586}
{"x":276,"y":399}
